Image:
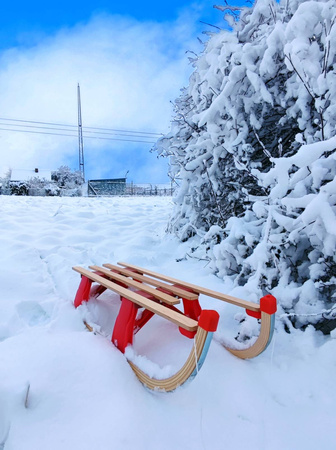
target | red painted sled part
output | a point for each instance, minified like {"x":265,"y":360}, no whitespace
{"x":124,"y":327}
{"x":191,"y":308}
{"x":267,"y":305}
{"x":83,"y":292}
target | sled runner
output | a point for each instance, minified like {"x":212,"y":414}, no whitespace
{"x":158,"y":294}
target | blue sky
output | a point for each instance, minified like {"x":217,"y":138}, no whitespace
{"x":130,"y":60}
{"x":22,"y":21}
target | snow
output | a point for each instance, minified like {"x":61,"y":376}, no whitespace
{"x":62,"y":387}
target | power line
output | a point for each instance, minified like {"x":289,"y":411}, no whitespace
{"x":75,"y":126}
{"x":65,"y":129}
{"x":126,"y":131}
{"x":74,"y":135}
{"x":37,"y":132}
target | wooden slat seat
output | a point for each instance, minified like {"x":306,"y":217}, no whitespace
{"x":165,"y":298}
{"x":196,"y":289}
{"x":173,"y":316}
{"x":154,"y":282}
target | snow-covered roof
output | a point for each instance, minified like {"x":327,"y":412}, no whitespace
{"x":27,"y":174}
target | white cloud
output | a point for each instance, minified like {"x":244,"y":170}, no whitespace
{"x":128,"y":72}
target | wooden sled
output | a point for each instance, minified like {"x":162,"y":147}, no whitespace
{"x":158,"y":294}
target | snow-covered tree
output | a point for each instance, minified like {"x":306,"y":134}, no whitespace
{"x":66,"y":178}
{"x":19,"y":188}
{"x":64,"y":182}
{"x":252,"y":148}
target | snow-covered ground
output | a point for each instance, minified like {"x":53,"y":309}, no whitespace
{"x":62,"y":387}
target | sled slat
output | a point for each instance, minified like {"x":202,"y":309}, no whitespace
{"x":197,"y":289}
{"x":161,"y":310}
{"x":165,"y":298}
{"x":155,"y":282}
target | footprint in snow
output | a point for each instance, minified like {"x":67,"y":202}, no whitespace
{"x":32,"y":313}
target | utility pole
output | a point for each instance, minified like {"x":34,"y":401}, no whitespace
{"x":80,"y":135}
